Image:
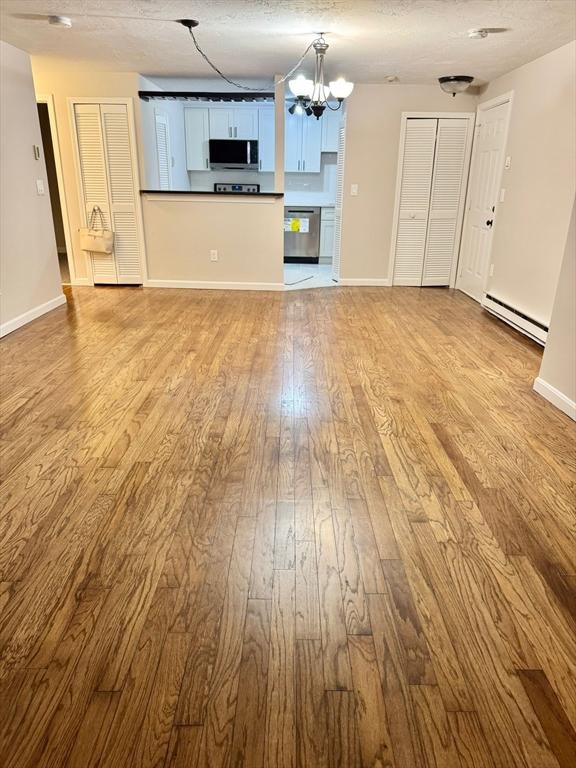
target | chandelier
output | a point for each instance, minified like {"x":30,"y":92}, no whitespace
{"x":311,"y":96}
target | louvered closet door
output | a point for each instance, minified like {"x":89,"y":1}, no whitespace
{"x":339,"y":201}
{"x":123,"y":194}
{"x":94,"y":181}
{"x":444,"y":218}
{"x":417,"y":167}
{"x":163,"y":151}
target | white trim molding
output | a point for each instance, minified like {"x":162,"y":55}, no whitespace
{"x":32,"y":314}
{"x":220,"y":286}
{"x":555,"y":397}
{"x":366,"y":281}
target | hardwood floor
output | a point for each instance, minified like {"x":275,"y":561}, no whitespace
{"x":323,"y":529}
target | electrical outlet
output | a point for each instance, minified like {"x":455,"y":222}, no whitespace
{"x":40,"y":186}
{"x":491,"y":270}
{"x":214,"y":255}
{"x":354,"y":190}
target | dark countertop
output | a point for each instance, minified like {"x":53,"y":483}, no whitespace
{"x":208,"y":192}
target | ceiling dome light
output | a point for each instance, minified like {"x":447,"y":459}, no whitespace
{"x":477,"y":34}
{"x":60,"y":21}
{"x":301,"y":87}
{"x":341,"y":88}
{"x":455,"y":83}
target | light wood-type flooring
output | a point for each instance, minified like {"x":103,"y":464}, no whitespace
{"x":323,"y":529}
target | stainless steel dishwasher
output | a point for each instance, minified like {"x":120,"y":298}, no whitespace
{"x":301,"y":235}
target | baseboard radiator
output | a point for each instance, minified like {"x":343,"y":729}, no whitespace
{"x":527,"y":325}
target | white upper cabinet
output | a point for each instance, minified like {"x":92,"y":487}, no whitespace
{"x":234,"y":123}
{"x":311,"y":144}
{"x":245,"y":123}
{"x":226,"y":122}
{"x":302,"y":144}
{"x":330,"y":129}
{"x":221,"y":123}
{"x":197,"y":134}
{"x":266,"y":138}
{"x":293,"y":144}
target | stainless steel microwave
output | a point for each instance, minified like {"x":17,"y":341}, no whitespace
{"x":233,"y":154}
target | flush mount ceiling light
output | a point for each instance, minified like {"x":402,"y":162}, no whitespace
{"x":311,"y":95}
{"x":477,"y":34}
{"x":455,"y":83}
{"x":60,"y":21}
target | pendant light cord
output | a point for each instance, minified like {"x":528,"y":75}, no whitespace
{"x":240,"y":85}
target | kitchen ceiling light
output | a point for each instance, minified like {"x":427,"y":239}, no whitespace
{"x":301,"y":87}
{"x":455,"y":83}
{"x":477,"y":34}
{"x":60,"y":21}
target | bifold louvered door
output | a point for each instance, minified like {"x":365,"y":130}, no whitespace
{"x":108,"y":181}
{"x":163,"y":151}
{"x":339,"y":203}
{"x":435,"y":161}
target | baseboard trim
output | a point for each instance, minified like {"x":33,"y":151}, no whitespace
{"x":81,"y":281}
{"x":366,"y":281}
{"x":32,"y":314}
{"x":555,"y":397}
{"x":205,"y":284}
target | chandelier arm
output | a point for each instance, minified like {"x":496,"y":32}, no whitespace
{"x":333,"y":109}
{"x":240,"y":85}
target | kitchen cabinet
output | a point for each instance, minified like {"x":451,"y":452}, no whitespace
{"x":303,"y":142}
{"x":237,"y":123}
{"x":197,"y":128}
{"x":266,"y":139}
{"x":327,"y":231}
{"x":330,"y":130}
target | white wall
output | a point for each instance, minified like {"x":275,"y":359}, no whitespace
{"x":29,"y":274}
{"x":181,"y":230}
{"x":532,"y":222}
{"x":373,"y":115}
{"x":557,"y":379}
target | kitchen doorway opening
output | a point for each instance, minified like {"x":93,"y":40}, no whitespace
{"x":55,"y":189}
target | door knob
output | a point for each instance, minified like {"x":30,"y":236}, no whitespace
{"x":489,"y":222}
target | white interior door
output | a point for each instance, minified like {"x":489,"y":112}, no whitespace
{"x":417,"y":167}
{"x":163,"y":151}
{"x":453,"y":141}
{"x":485,"y":177}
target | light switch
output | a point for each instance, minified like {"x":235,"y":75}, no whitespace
{"x":40,"y":186}
{"x":508,"y":163}
{"x":354,"y":190}
{"x":213,"y":255}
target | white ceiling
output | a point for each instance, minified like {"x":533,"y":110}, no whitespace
{"x":416,"y":40}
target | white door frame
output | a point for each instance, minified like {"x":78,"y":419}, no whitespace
{"x":129,"y":102}
{"x":400,"y":167}
{"x":49,"y":101}
{"x":504,"y":98}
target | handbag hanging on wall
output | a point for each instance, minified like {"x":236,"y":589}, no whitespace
{"x":96,"y":240}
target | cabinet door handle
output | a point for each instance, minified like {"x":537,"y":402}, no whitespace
{"x":298,"y":164}
{"x":229,"y":132}
{"x":235,"y":132}
{"x":303,"y":165}
{"x":206,"y":162}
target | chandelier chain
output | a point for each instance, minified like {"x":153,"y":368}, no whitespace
{"x":241,"y":85}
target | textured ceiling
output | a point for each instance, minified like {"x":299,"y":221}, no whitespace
{"x":416,"y":40}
